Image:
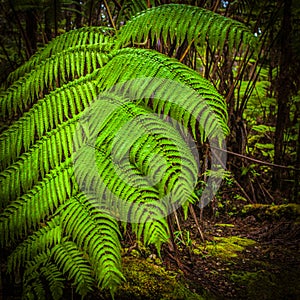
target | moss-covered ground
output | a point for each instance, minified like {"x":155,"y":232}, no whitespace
{"x":251,"y":255}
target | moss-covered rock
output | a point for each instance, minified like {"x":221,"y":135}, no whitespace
{"x":289,"y":211}
{"x":147,"y":281}
{"x":224,"y":247}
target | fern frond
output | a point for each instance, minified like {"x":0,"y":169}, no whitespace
{"x":77,"y":37}
{"x":49,"y":74}
{"x":61,"y":104}
{"x":179,"y":22}
{"x":27,"y":211}
{"x":71,"y":261}
{"x":32,"y":166}
{"x":55,"y":280}
{"x":138,"y":184}
{"x":99,"y":239}
{"x":193,"y":101}
{"x":153,"y":146}
{"x":38,"y":270}
{"x":41,"y":240}
{"x":33,"y":287}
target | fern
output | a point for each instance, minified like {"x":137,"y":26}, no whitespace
{"x":67,"y":172}
{"x":46,"y":237}
{"x":71,"y":261}
{"x":127,"y":64}
{"x":179,"y":22}
{"x":55,"y":280}
{"x":33,"y":207}
{"x":100,"y":239}
{"x":33,"y":288}
{"x":32,"y":166}
{"x":74,"y":38}
{"x":43,"y":268}
{"x":51,"y":73}
{"x":45,"y":115}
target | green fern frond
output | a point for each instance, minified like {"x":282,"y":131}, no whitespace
{"x":33,"y":288}
{"x":179,"y":22}
{"x":27,"y":211}
{"x":68,"y":174}
{"x":71,"y":261}
{"x":152,"y":173}
{"x":55,"y":280}
{"x":61,"y":104}
{"x":32,"y":166}
{"x":39,"y":270}
{"x":160,"y":153}
{"x":50,"y":74}
{"x":77,"y":37}
{"x":193,"y":95}
{"x":41,"y":240}
{"x":99,"y":239}
{"x":121,"y":195}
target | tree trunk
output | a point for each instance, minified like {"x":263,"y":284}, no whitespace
{"x":283,"y":92}
{"x":297,"y":172}
{"x":31,"y":29}
{"x":48,"y":30}
{"x":78,"y":14}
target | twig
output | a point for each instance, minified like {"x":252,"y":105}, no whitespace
{"x":186,"y":51}
{"x":256,"y":160}
{"x":191,"y":208}
{"x":109,"y":14}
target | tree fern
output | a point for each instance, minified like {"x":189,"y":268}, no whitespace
{"x":100,"y":239}
{"x":51,"y":73}
{"x":74,"y":38}
{"x":33,"y":286}
{"x":73,"y":162}
{"x":27,"y":211}
{"x":45,"y":115}
{"x":54,"y":278}
{"x":42,"y":239}
{"x":179,"y":22}
{"x":32,"y":166}
{"x":127,"y":64}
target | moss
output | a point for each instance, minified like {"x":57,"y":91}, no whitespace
{"x":253,"y":283}
{"x":272,"y":212}
{"x":150,"y":282}
{"x":224,"y":247}
{"x":266,"y":285}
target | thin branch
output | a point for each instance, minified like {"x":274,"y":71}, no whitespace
{"x":256,"y":160}
{"x":186,"y":51}
{"x":109,"y":14}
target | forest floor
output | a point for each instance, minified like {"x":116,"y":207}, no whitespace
{"x":250,"y":254}
{"x":253,"y":255}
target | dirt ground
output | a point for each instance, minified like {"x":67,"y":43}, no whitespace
{"x":250,"y":256}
